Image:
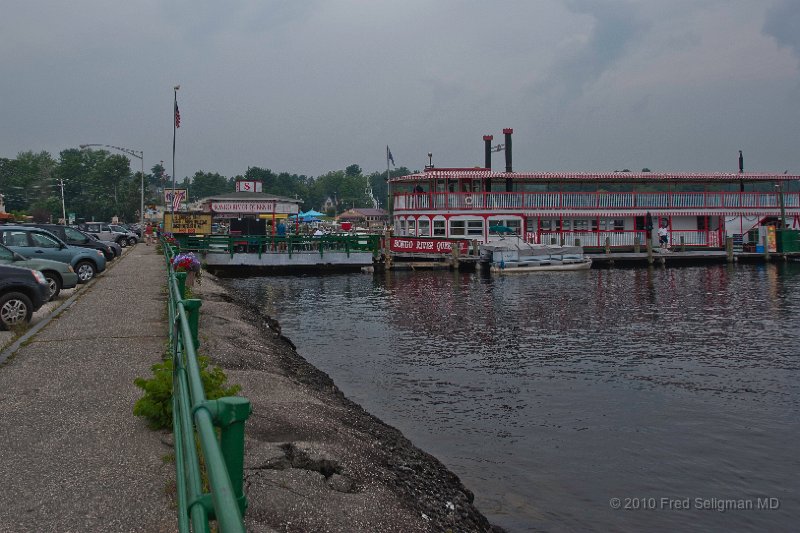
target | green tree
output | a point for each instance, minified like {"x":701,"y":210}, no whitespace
{"x":205,"y":184}
{"x":377,"y":180}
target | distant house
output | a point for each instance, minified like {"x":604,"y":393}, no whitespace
{"x":3,"y":214}
{"x":328,"y":204}
{"x":368,"y":216}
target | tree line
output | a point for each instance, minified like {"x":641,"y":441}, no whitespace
{"x":98,"y":185}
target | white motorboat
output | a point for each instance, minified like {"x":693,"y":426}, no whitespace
{"x":514,"y":255}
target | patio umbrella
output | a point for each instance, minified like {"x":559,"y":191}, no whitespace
{"x":312,"y":213}
{"x":500,"y":229}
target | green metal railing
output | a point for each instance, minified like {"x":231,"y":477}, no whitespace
{"x":216,"y":425}
{"x":269,"y":244}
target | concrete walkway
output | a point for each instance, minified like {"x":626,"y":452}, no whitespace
{"x":73,"y":458}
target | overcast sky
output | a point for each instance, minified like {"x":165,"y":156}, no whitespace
{"x":312,"y":86}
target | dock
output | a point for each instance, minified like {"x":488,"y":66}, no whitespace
{"x":684,"y":257}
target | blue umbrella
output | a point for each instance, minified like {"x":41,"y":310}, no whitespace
{"x":500,"y":229}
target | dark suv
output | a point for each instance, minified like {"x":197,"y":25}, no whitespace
{"x":22,"y":291}
{"x":75,"y":237}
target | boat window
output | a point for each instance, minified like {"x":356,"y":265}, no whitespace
{"x":581,"y":225}
{"x":457,"y":227}
{"x":424,"y":227}
{"x":534,"y":187}
{"x":439,"y":228}
{"x":619,"y":224}
{"x":412,"y":226}
{"x":547,"y":225}
{"x":475,"y":227}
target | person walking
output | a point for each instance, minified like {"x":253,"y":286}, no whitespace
{"x":663,"y":237}
{"x":148,"y":233}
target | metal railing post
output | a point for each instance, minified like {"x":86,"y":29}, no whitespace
{"x":192,"y":308}
{"x":180,"y":277}
{"x":229,"y":414}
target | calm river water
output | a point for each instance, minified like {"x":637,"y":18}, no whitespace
{"x":557,"y":397}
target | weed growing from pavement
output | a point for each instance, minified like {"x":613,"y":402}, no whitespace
{"x":156,"y":404}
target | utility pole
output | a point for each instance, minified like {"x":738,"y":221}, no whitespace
{"x":63,"y":208}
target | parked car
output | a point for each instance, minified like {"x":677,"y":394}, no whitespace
{"x":135,"y":228}
{"x":58,"y":275}
{"x":105,"y":232}
{"x":75,"y":237}
{"x":22,"y":291}
{"x":133,"y":238}
{"x":116,"y":248}
{"x":39,"y":243}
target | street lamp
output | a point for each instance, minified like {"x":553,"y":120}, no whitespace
{"x":779,"y":191}
{"x":138,"y":154}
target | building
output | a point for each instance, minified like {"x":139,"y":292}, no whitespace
{"x":365,"y":216}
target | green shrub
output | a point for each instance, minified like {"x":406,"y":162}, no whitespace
{"x":156,"y":404}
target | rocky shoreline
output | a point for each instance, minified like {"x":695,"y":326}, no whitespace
{"x":314,"y":460}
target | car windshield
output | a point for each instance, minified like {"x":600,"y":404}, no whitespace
{"x":75,"y":235}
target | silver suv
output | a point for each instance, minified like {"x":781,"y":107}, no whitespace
{"x":108,"y":232}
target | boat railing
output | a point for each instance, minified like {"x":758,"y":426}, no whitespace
{"x":592,"y":200}
{"x":626,"y":238}
{"x":274,"y":244}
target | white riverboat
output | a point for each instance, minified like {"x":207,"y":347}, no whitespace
{"x":596,"y":210}
{"x":514,"y":255}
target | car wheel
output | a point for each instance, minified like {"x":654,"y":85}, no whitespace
{"x":85,"y":270}
{"x":15,"y":309}
{"x":123,"y":242}
{"x":131,"y":241}
{"x":55,"y":283}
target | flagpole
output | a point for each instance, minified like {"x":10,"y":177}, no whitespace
{"x":388,"y":193}
{"x":175,"y":123}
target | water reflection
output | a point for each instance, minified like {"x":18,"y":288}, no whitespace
{"x":550,"y":394}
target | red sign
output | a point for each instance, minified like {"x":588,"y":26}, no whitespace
{"x":428,"y":246}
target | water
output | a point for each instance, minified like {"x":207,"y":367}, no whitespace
{"x":551,"y":394}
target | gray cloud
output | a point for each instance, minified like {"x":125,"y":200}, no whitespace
{"x":309,"y":87}
{"x":782,"y":22}
{"x":614,"y":27}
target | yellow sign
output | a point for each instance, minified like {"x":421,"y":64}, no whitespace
{"x":772,"y":242}
{"x":188,"y":223}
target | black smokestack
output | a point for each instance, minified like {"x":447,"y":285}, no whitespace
{"x":507,"y":132}
{"x":487,"y":151}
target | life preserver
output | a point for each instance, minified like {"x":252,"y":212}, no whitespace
{"x":468,"y":201}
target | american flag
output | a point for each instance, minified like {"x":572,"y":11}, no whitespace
{"x":177,"y":116}
{"x":177,"y":199}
